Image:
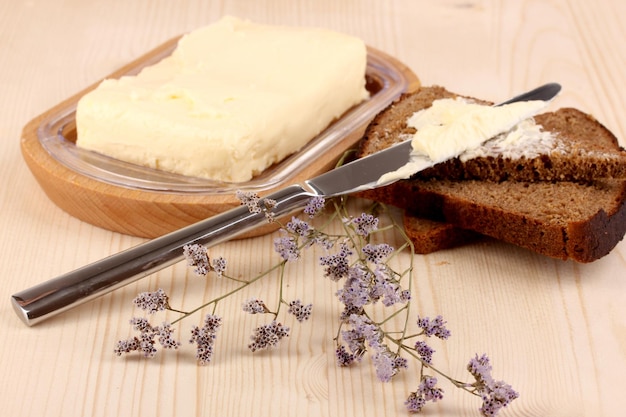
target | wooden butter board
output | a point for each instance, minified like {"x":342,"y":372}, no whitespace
{"x":152,"y":213}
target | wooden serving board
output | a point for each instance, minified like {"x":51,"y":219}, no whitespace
{"x":147,"y":213}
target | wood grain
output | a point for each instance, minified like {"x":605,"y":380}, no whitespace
{"x":555,"y":330}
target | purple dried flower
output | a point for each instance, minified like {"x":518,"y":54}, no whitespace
{"x":388,"y":364}
{"x":480,"y":368}
{"x":302,"y":312}
{"x":371,"y":331}
{"x":204,"y":338}
{"x":435,"y":327}
{"x":249,"y":199}
{"x":165,"y":332}
{"x":495,"y":397}
{"x":337,"y":265}
{"x":349,"y":310}
{"x":287,"y":248}
{"x":387,"y":288}
{"x":495,"y":394}
{"x":426,"y":391}
{"x":143,"y":343}
{"x":198,"y":257}
{"x":314,"y":206}
{"x":219,"y":266}
{"x":400,"y":363}
{"x":255,"y":306}
{"x":152,"y":301}
{"x":415,"y":402}
{"x":356,"y":291}
{"x":267,"y":335}
{"x":146,"y":344}
{"x":205,"y":342}
{"x":355,"y":342}
{"x":424,"y":351}
{"x":127,"y":346}
{"x":365,"y":224}
{"x":298,"y":227}
{"x":363,"y":330}
{"x":383,"y":363}
{"x":256,"y":204}
{"x":376,"y":253}
{"x":343,"y":357}
{"x":212,"y":323}
{"x":392,"y":293}
{"x":141,"y":324}
{"x":428,"y":388}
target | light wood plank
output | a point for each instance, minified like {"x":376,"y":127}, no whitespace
{"x":555,"y":330}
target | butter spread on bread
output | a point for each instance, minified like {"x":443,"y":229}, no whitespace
{"x":458,"y":127}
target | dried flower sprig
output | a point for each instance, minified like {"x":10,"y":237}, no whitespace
{"x":204,"y":338}
{"x":376,"y":299}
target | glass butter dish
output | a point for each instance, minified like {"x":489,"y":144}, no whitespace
{"x":141,"y":201}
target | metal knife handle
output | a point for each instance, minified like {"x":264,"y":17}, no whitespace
{"x":52,"y":297}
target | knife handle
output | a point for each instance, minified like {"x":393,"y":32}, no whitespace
{"x":64,"y":292}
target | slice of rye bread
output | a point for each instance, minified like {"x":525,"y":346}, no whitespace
{"x":583,"y":149}
{"x":430,"y":236}
{"x":563,"y":219}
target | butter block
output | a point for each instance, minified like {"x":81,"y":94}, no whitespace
{"x":233,"y":98}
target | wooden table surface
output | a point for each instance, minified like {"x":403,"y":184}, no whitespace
{"x":554,"y":330}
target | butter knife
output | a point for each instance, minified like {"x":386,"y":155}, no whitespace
{"x":52,"y":297}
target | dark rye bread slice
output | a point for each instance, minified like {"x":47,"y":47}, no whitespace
{"x":593,"y":154}
{"x":583,"y":149}
{"x":564,"y":220}
{"x":430,"y":236}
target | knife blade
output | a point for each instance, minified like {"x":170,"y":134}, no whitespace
{"x":52,"y":297}
{"x":366,"y":173}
